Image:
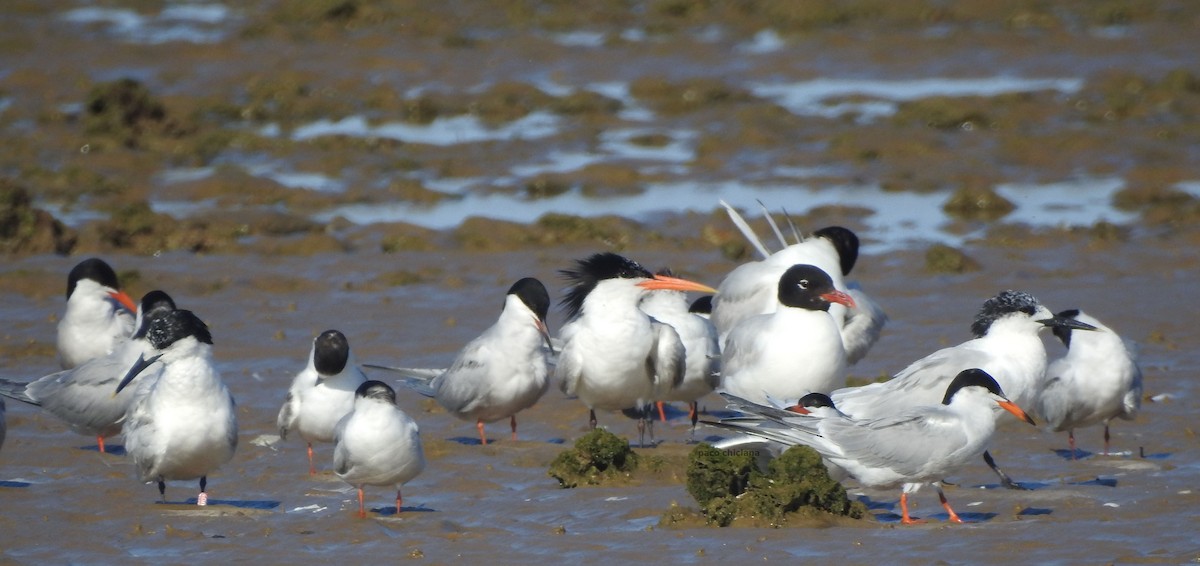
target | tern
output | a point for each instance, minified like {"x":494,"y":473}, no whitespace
{"x":82,"y":396}
{"x":749,"y":289}
{"x":917,"y":445}
{"x":614,"y":356}
{"x":322,"y":393}
{"x":1006,"y":346}
{"x":376,"y":443}
{"x":792,"y":351}
{"x":769,"y":441}
{"x":99,"y":314}
{"x":1097,"y":380}
{"x":702,"y":355}
{"x":500,"y":373}
{"x":184,"y":425}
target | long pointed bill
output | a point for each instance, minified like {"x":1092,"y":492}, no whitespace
{"x":665,"y":283}
{"x":124,"y":300}
{"x":801,"y":409}
{"x":1016,"y":411}
{"x":545,"y":332}
{"x":839,"y":297}
{"x":1065,"y":322}
{"x":138,"y":367}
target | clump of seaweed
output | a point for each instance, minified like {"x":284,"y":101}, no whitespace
{"x":598,"y":457}
{"x":940,"y":258}
{"x":731,"y":489}
{"x":977,"y":203}
{"x":25,"y":229}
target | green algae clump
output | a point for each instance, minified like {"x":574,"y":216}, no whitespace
{"x":977,"y":203}
{"x":598,"y":457}
{"x":731,"y":489}
{"x":940,"y":258}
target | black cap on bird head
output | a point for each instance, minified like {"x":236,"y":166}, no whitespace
{"x":1006,"y":303}
{"x":376,"y":390}
{"x":533,"y":293}
{"x":95,"y":269}
{"x":590,"y":271}
{"x":331,"y":352}
{"x":846,"y":244}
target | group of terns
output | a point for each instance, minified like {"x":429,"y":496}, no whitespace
{"x":774,"y":339}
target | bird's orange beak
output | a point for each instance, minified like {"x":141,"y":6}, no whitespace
{"x":839,"y":298}
{"x":1016,"y":411}
{"x":799,"y":409}
{"x":125,"y":301}
{"x":664,"y":283}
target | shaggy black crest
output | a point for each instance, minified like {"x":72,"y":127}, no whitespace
{"x":845,"y":242}
{"x":970,"y":378}
{"x":1063,"y":333}
{"x":331,"y":351}
{"x":1006,"y":303}
{"x":376,"y":390}
{"x":533,"y":293}
{"x":588,"y":272}
{"x":96,"y":270}
{"x":802,"y":285}
{"x":173,"y":326}
{"x":154,"y":304}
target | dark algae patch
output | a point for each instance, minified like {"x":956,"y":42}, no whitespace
{"x":731,"y":490}
{"x":599,"y":457}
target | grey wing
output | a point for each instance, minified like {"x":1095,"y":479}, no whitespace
{"x":466,"y":380}
{"x":341,"y":456}
{"x":904,"y":443}
{"x":921,"y":383}
{"x":863,"y":324}
{"x":666,"y":359}
{"x":287,"y":414}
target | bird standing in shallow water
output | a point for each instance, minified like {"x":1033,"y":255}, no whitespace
{"x":322,"y":393}
{"x":614,"y":356}
{"x":377,"y":443}
{"x":99,"y":314}
{"x":184,"y":426}
{"x":1097,"y":380}
{"x":915,"y":446}
{"x":83,"y":396}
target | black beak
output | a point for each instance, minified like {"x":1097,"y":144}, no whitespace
{"x":1065,"y":322}
{"x":138,"y":367}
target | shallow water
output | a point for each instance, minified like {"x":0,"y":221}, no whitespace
{"x":61,"y":501}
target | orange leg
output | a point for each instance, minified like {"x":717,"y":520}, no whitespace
{"x":512,"y":421}
{"x":312,"y":469}
{"x":694,"y":413}
{"x":953,"y":516}
{"x":482,"y":437}
{"x":904,"y":518}
{"x":398,"y":501}
{"x":662,"y":415}
{"x":1071,"y":442}
{"x":362,"y":508}
{"x":100,"y":443}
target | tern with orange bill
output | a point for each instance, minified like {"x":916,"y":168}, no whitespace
{"x":915,"y":446}
{"x":702,"y":355}
{"x":99,"y":315}
{"x":614,"y":356}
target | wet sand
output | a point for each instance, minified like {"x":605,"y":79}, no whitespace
{"x":274,"y":271}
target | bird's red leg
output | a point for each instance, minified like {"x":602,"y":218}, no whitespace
{"x":362,"y":509}
{"x":100,"y":443}
{"x":482,"y":437}
{"x":953,"y":516}
{"x":312,"y":469}
{"x":1071,"y":442}
{"x":904,"y":518}
{"x":662,"y":415}
{"x":398,"y":501}
{"x":512,"y":422}
{"x":694,"y":413}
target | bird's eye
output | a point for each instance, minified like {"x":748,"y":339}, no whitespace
{"x":803,"y":284}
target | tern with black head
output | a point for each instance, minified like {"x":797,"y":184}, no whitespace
{"x":376,"y":443}
{"x":322,"y":393}
{"x":98,"y":317}
{"x":83,"y":396}
{"x":793,"y":351}
{"x":1006,"y":346}
{"x":614,"y":356}
{"x":184,"y":426}
{"x":1097,"y":380}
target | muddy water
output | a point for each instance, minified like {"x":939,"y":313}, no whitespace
{"x":351,"y":114}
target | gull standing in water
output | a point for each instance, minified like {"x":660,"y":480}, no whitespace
{"x":702,"y":355}
{"x":503,"y":371}
{"x":322,"y":393}
{"x":1006,"y":346}
{"x":749,"y":289}
{"x":184,"y":425}
{"x":917,"y":445}
{"x":377,"y":443}
{"x":1096,"y":381}
{"x":83,"y":396}
{"x":614,"y":356}
{"x":792,"y":351}
{"x":99,"y":314}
